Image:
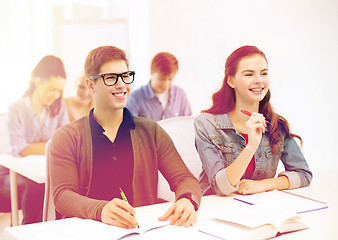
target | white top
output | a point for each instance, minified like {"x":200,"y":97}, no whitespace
{"x":163,"y":98}
{"x":26,"y":127}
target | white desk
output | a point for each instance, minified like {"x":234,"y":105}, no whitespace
{"x":322,"y":223}
{"x":32,"y":167}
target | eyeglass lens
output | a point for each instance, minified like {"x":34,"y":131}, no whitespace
{"x":112,"y":78}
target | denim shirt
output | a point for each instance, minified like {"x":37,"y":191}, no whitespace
{"x":219,"y":143}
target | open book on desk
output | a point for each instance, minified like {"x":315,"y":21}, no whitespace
{"x":88,"y":229}
{"x":80,"y":229}
{"x":283,"y":201}
{"x":251,"y":222}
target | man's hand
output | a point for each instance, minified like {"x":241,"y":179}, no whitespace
{"x":118,"y":213}
{"x":182,"y":212}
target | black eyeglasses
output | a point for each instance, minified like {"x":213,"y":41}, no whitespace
{"x":110,"y":79}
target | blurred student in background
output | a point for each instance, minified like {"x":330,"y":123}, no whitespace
{"x":159,"y":99}
{"x":31,"y":122}
{"x":241,"y":153}
{"x":79,"y":105}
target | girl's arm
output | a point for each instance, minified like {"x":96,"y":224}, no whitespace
{"x":37,"y":148}
{"x":211,"y":155}
{"x":255,"y":127}
{"x":16,"y":126}
{"x":297,"y":173}
{"x":296,"y":167}
{"x":222,"y":178}
{"x":247,"y":186}
{"x":236,"y":169}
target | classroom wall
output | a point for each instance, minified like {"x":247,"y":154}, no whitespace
{"x":299,"y":38}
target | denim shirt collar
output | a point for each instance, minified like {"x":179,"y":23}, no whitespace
{"x":223,"y":121}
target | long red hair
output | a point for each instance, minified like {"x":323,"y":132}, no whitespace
{"x":224,"y":100}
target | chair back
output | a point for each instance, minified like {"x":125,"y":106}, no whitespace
{"x":4,"y":138}
{"x":48,"y":204}
{"x":182,"y":132}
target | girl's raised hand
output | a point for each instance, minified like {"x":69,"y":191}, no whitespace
{"x":255,"y":126}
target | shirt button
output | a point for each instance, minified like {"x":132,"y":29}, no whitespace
{"x":114,"y":158}
{"x":260,"y":154}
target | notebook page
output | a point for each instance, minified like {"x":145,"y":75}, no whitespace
{"x":254,"y":216}
{"x":283,"y":201}
{"x":88,"y":229}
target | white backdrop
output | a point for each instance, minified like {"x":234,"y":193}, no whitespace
{"x":300,"y":39}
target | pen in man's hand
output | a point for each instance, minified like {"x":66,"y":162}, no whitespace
{"x":125,"y":199}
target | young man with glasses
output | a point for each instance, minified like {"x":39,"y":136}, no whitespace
{"x":160,"y":99}
{"x":95,"y":156}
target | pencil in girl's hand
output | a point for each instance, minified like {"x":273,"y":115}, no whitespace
{"x":249,"y":114}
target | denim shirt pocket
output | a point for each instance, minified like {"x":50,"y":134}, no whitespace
{"x":272,"y":160}
{"x":226,"y":148}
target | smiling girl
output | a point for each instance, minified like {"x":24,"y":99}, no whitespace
{"x":31,"y":122}
{"x":239,"y":152}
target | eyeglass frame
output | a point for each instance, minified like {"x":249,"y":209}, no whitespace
{"x":131,"y":73}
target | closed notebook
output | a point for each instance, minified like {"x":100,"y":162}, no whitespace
{"x":252,"y":222}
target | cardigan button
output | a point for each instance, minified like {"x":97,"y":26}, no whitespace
{"x":260,"y":154}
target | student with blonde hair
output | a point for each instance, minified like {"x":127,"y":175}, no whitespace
{"x":79,"y":105}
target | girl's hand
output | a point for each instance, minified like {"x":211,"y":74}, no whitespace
{"x":255,"y":127}
{"x":118,"y":213}
{"x":247,"y":186}
{"x":182,"y":212}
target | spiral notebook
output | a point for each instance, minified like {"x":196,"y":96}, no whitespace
{"x":283,"y":201}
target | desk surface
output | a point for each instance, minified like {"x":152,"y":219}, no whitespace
{"x":32,"y":167}
{"x":322,"y":224}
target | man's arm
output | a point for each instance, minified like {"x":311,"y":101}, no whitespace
{"x":69,"y":190}
{"x":187,"y":189}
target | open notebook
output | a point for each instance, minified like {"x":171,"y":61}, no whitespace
{"x":89,"y":229}
{"x":81,"y":229}
{"x":283,"y":201}
{"x":251,"y":222}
